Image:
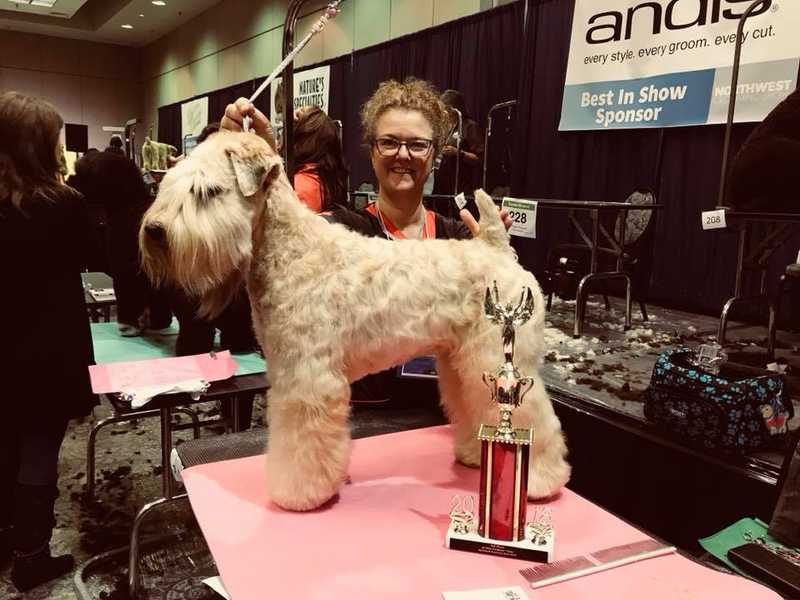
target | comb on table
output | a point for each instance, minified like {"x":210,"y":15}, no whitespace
{"x":602,"y":560}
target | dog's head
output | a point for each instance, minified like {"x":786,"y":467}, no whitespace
{"x":197,"y":234}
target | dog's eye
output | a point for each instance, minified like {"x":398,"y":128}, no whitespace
{"x":206,"y":192}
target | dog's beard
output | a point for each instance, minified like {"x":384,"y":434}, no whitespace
{"x":206,"y":253}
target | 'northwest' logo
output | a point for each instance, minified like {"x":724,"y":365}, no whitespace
{"x":613,"y":26}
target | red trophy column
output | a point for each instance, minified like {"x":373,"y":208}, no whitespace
{"x":504,"y":483}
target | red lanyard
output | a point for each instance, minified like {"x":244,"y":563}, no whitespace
{"x":392,"y":232}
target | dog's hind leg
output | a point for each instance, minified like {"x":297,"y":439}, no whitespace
{"x":309,"y":435}
{"x":549,"y":470}
{"x":467,"y":402}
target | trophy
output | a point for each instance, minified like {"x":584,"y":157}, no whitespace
{"x":501,"y":527}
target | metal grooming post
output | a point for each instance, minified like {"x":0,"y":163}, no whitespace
{"x":508,"y":104}
{"x":289,"y":26}
{"x":737,"y":57}
{"x":458,"y":147}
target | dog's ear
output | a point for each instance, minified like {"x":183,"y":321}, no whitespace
{"x":252,"y":165}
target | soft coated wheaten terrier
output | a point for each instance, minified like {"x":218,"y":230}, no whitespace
{"x":330,"y":306}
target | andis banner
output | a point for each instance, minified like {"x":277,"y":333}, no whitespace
{"x":667,"y":63}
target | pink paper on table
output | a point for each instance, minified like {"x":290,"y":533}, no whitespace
{"x":113,"y":377}
{"x":384,"y":537}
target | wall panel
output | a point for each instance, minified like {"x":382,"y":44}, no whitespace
{"x":373,"y":20}
{"x":409,"y":16}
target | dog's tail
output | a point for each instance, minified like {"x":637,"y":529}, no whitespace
{"x":493,"y":230}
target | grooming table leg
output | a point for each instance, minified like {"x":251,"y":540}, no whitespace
{"x":92,"y":442}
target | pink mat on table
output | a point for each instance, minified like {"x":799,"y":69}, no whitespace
{"x":384,"y":537}
{"x":115,"y":377}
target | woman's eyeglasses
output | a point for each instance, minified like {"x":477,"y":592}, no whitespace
{"x":419,"y":148}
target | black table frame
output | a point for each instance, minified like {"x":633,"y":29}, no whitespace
{"x":96,"y":306}
{"x":593,"y":242}
{"x":165,"y":404}
{"x":753,"y":255}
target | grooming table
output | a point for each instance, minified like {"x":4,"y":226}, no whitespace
{"x":384,"y":536}
{"x":110,"y":347}
{"x":754,"y":251}
{"x":97,"y":307}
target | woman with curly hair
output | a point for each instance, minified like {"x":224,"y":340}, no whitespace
{"x":405,"y":127}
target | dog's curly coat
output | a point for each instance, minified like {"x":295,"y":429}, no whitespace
{"x":330,"y":306}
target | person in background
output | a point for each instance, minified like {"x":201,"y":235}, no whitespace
{"x":469,"y":156}
{"x":115,"y":145}
{"x":44,"y":238}
{"x":113,"y":180}
{"x":405,"y":127}
{"x":319,"y":174}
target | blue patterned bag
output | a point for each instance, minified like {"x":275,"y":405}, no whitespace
{"x":719,"y":411}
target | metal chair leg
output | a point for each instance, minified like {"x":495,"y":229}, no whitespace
{"x":133,"y":556}
{"x":580,"y":306}
{"x":628,"y":302}
{"x":92,"y":443}
{"x":723,"y":321}
{"x":549,"y":301}
{"x":643,"y":308}
{"x":774,"y":310}
{"x":193,"y":416}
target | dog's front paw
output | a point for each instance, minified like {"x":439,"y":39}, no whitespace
{"x":293,"y":492}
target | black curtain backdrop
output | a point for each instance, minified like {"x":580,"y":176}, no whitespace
{"x":520,"y":51}
{"x":691,"y":268}
{"x":477,"y":55}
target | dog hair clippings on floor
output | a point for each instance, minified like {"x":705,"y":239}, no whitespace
{"x":330,"y":13}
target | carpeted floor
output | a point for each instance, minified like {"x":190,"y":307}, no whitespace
{"x":607,"y":364}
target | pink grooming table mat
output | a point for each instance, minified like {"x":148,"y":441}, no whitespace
{"x":384,"y":537}
{"x":114,"y":377}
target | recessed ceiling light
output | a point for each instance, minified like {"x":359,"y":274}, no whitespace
{"x":47,"y":3}
{"x":159,"y":2}
{"x":141,"y":15}
{"x":127,"y":26}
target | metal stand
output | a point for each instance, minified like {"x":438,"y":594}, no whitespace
{"x":289,"y":25}
{"x":754,"y":256}
{"x":460,"y":131}
{"x":757,"y":258}
{"x":508,"y":104}
{"x":737,"y":58}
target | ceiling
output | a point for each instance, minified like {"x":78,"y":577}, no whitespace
{"x":63,"y":9}
{"x":101,"y":20}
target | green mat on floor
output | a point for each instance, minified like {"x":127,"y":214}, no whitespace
{"x":111,"y":347}
{"x":733,"y":536}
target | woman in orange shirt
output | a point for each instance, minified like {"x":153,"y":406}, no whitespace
{"x":319,"y":175}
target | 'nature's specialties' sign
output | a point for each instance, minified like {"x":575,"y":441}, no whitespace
{"x":311,"y":88}
{"x":667,"y":63}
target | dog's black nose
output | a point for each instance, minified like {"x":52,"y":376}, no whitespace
{"x":155,"y":231}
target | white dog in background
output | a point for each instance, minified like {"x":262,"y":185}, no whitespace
{"x":330,"y":306}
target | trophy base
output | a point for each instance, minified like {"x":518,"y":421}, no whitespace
{"x":523,"y":550}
